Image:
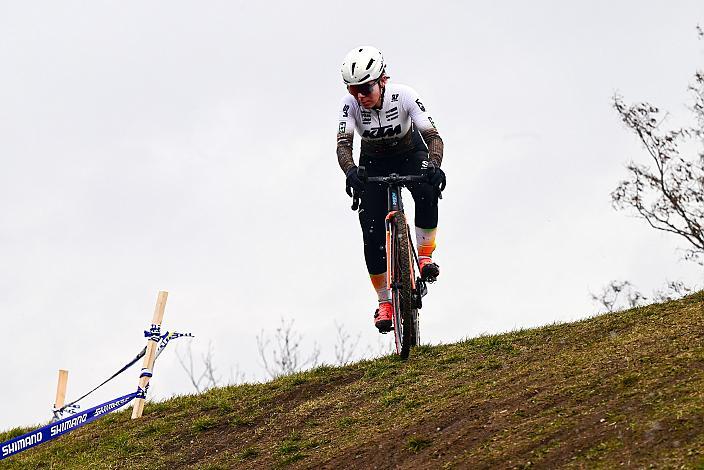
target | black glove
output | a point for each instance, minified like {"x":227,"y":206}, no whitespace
{"x":436,"y":177}
{"x":353,"y":181}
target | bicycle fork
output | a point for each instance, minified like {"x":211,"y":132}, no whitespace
{"x":422,"y":287}
{"x":418,"y":286}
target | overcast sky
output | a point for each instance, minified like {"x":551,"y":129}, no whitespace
{"x":190,"y":147}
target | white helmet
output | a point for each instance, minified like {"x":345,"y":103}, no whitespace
{"x":362,"y":64}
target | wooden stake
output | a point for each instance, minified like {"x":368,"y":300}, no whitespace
{"x":61,"y":389}
{"x":150,"y":355}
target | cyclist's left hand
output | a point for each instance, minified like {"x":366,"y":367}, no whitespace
{"x":436,"y":177}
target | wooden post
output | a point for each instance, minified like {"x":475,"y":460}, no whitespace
{"x":150,"y":356}
{"x":61,"y":389}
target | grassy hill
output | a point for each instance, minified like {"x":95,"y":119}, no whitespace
{"x":618,"y":390}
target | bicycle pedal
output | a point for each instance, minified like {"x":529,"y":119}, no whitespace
{"x":384,"y":327}
{"x":430,"y":273}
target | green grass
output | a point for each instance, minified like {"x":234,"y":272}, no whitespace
{"x":618,"y":390}
{"x":248,"y":453}
{"x":204,"y":423}
{"x":416,"y":444}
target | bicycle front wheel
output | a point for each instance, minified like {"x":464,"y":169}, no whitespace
{"x":405,"y":319}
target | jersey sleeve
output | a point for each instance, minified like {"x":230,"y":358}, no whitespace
{"x":417,"y":111}
{"x":345,"y":133}
{"x":424,"y":123}
{"x":346,"y":116}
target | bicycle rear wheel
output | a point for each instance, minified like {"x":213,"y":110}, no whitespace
{"x":402,"y":280}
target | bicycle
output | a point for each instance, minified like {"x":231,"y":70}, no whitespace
{"x":407,"y":290}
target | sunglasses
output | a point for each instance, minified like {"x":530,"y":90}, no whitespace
{"x":363,"y":89}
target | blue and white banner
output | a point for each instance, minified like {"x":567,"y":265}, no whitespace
{"x":56,"y":429}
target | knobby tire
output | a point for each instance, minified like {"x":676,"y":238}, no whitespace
{"x":403,"y":287}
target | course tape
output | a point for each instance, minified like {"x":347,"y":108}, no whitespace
{"x":163,"y":342}
{"x":56,"y":429}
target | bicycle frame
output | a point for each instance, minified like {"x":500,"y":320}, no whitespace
{"x":394,"y":279}
{"x":395,"y":204}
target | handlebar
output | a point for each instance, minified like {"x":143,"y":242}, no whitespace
{"x":392,"y":179}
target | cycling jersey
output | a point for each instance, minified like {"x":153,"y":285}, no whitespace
{"x":389,"y":130}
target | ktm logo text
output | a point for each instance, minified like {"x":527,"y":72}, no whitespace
{"x":381,"y":132}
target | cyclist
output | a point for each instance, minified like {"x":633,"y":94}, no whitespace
{"x":398,"y":136}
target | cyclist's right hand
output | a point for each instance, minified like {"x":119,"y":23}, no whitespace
{"x":354,"y":181}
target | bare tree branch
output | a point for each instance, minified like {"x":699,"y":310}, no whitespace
{"x":237,"y":376}
{"x":209,"y":369}
{"x":669,"y":197}
{"x":345,"y":345}
{"x":618,"y":295}
{"x":206,"y":379}
{"x":284,"y":356}
{"x":672,"y":290}
{"x":187,"y":366}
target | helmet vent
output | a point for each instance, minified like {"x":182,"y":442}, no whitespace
{"x":371,"y":61}
{"x":353,"y":66}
